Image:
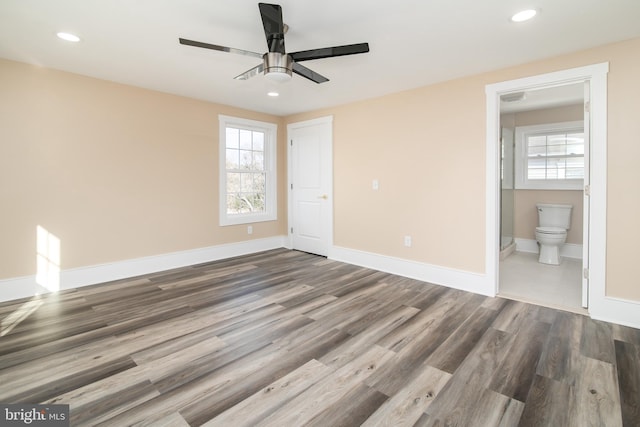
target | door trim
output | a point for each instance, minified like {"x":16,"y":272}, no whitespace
{"x":297,"y":125}
{"x":597,"y":75}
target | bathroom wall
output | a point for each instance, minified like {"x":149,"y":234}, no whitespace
{"x":525,"y":213}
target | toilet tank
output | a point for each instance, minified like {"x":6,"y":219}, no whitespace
{"x":553,"y":215}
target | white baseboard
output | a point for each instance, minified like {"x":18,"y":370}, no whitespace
{"x":452,"y":278}
{"x":615,"y":310}
{"x":609,"y":309}
{"x":23,"y":287}
{"x":568,"y":250}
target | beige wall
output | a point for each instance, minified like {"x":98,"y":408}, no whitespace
{"x":423,"y":147}
{"x":525,"y":213}
{"x":427,"y":148}
{"x":118,"y":172}
{"x":566,"y":113}
{"x":114,"y":171}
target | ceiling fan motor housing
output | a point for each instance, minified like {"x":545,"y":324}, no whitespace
{"x":277,"y":66}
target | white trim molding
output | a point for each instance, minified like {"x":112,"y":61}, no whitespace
{"x":449,"y":277}
{"x":616,"y":310}
{"x":270,"y":131}
{"x":24,"y":287}
{"x":601,"y":306}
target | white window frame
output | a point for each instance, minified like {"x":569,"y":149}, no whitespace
{"x":521,"y":164}
{"x":270,"y":131}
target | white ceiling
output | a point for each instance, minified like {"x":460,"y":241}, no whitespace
{"x":556,"y":96}
{"x":413,"y":42}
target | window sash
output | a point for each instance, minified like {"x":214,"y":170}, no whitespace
{"x":247,"y":171}
{"x":550,"y":156}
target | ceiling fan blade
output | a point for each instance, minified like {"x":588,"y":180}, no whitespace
{"x":251,"y":73}
{"x":219,"y":48}
{"x":303,"y":71}
{"x":328,"y":52}
{"x":273,"y":26}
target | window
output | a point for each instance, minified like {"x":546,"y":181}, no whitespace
{"x":550,"y":157}
{"x":247,"y":171}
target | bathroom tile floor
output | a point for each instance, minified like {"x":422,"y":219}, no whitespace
{"x":523,"y":278}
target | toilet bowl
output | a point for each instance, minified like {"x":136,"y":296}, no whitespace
{"x":550,"y":240}
{"x":554,"y":221}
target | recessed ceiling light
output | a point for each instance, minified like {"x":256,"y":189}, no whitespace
{"x":524,"y":15}
{"x":273,"y":94}
{"x":68,"y":37}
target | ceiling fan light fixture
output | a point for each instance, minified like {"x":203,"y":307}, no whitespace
{"x":277,"y":66}
{"x":278,"y":75}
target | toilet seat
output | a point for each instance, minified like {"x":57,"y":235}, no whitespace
{"x":550,"y":230}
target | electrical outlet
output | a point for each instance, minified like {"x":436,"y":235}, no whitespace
{"x":407,"y":241}
{"x":250,"y":229}
{"x":375,"y":184}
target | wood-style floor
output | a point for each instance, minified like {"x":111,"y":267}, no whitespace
{"x":284,"y":338}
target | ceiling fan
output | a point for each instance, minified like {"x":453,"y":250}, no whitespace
{"x":277,"y":64}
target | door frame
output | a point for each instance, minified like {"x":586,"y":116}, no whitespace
{"x":326,"y":120}
{"x":597,"y":227}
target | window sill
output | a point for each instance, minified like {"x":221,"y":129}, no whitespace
{"x":247,"y":219}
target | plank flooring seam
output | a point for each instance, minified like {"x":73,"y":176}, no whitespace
{"x":289,"y":338}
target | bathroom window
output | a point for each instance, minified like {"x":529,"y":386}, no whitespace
{"x":550,"y":157}
{"x":247,"y":171}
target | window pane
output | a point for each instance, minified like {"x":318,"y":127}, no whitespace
{"x":557,"y":139}
{"x":575,"y":168}
{"x":537,"y":141}
{"x":232,"y":138}
{"x":258,"y":160}
{"x":245,"y":139}
{"x":247,"y":145}
{"x":247,"y":182}
{"x":575,"y":143}
{"x":537,"y":151}
{"x":537,"y":169}
{"x":555,"y":156}
{"x":233,"y":182}
{"x":557,"y":150}
{"x":245,"y":159}
{"x":258,"y":141}
{"x":233,"y":204}
{"x":233,"y":159}
{"x":259,"y":182}
{"x":573,"y":173}
{"x":255,"y":201}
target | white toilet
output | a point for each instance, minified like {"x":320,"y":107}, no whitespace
{"x":551,"y":233}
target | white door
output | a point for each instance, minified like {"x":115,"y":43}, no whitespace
{"x":310,"y":185}
{"x":586,"y":198}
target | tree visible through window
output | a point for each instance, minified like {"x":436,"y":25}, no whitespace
{"x":246,"y":191}
{"x":247,"y":171}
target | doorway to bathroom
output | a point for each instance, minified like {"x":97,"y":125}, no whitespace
{"x":544,"y":152}
{"x":544,"y":131}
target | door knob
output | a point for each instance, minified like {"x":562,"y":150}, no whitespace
{"x":324,"y":196}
